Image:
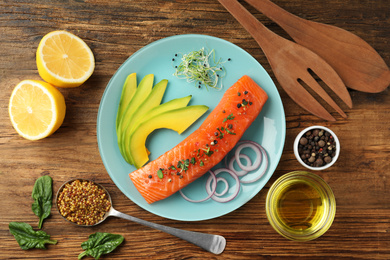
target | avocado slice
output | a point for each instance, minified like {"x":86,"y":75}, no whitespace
{"x":128,"y":90}
{"x":178,"y":120}
{"x":169,"y":105}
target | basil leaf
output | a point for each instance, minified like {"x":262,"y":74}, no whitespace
{"x":27,"y":238}
{"x":42,"y":194}
{"x":100,"y":243}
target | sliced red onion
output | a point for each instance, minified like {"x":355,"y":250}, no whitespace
{"x":229,"y":168}
{"x":257,"y":162}
{"x":262,"y":150}
{"x":242,"y":172}
{"x":211,"y":193}
{"x":220,"y":179}
{"x":235,"y":193}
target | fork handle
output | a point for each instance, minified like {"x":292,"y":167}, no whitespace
{"x":288,"y":21}
{"x":267,"y":40}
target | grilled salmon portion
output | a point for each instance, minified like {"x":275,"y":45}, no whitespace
{"x":206,"y":146}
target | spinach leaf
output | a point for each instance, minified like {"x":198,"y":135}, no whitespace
{"x":42,"y":195}
{"x":100,"y":243}
{"x":28,"y":238}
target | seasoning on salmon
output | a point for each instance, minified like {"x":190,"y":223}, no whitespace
{"x":206,"y":146}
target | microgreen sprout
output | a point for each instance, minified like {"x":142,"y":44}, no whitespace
{"x":202,"y":68}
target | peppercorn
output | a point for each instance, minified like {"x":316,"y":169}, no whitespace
{"x":319,"y":162}
{"x":327,"y":159}
{"x":303,"y":141}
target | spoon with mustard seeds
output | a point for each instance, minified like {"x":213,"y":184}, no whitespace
{"x":86,"y":203}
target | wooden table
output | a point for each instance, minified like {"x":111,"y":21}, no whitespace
{"x":115,"y":30}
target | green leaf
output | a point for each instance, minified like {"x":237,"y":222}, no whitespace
{"x":100,"y":243}
{"x":160,"y":174}
{"x":27,"y":238}
{"x":42,"y":194}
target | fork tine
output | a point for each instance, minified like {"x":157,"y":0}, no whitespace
{"x":313,"y":84}
{"x":333,"y":81}
{"x":304,"y":99}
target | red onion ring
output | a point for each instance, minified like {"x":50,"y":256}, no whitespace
{"x":235,"y":193}
{"x":266,"y":163}
{"x":255,"y":165}
{"x":242,"y":172}
{"x":212,"y":192}
{"x":220,"y":179}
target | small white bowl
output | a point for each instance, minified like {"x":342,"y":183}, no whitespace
{"x":334,"y":159}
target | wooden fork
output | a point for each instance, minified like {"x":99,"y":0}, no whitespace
{"x":291,"y":64}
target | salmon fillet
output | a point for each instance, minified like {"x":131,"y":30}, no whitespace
{"x":205,"y":147}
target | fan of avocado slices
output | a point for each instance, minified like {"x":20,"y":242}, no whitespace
{"x":140,"y":112}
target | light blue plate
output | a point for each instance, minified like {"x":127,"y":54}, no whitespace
{"x":269,"y":129}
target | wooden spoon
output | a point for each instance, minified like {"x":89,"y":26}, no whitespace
{"x":356,"y":62}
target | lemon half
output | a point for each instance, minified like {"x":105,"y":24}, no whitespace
{"x":64,"y":60}
{"x":36,"y":109}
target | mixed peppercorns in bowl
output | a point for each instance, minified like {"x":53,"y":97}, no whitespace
{"x":317,"y":147}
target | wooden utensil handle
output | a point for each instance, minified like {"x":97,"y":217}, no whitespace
{"x":276,"y":13}
{"x":291,"y":23}
{"x":267,"y":40}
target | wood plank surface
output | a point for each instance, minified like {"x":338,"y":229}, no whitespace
{"x":115,"y":30}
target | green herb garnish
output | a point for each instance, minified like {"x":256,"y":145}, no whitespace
{"x":221,"y":134}
{"x":230,"y":132}
{"x":160,"y":174}
{"x":27,"y":238}
{"x":207,"y":151}
{"x":201,"y":163}
{"x":229,"y":117}
{"x":99,"y":244}
{"x":42,"y":195}
{"x":183,"y":165}
{"x":197,"y":67}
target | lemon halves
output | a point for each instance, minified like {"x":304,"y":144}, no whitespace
{"x":64,"y":60}
{"x":36,"y":109}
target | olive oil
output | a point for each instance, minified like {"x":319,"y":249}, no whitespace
{"x":299,"y":205}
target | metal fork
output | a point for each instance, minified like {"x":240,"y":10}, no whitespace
{"x":292,"y":63}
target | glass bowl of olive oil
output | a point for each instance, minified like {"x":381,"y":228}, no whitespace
{"x":300,"y":206}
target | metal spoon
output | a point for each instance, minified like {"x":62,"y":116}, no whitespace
{"x":211,"y":243}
